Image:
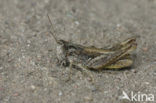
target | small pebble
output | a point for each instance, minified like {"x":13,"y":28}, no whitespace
{"x":118,"y":25}
{"x":33,"y":87}
{"x":77,"y":23}
{"x":134,"y":71}
{"x":88,"y":98}
{"x":60,"y":94}
{"x":89,"y":79}
{"x":154,"y":73}
{"x":145,"y":49}
{"x":1,"y":68}
{"x":16,"y":94}
{"x":76,"y":86}
{"x":147,"y":83}
{"x":1,"y":89}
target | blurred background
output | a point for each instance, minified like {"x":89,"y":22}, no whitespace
{"x":28,"y":67}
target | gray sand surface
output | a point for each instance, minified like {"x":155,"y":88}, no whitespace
{"x":28,"y":66}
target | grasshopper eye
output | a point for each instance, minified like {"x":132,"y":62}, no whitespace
{"x":61,"y":42}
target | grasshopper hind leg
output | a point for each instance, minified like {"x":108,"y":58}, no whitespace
{"x":124,"y":63}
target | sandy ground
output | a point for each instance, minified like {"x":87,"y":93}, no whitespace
{"x":28,"y":67}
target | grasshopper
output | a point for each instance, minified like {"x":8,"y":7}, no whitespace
{"x":90,"y":57}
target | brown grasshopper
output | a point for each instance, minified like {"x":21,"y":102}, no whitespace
{"x":116,"y":57}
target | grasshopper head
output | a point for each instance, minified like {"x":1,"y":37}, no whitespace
{"x":61,"y":50}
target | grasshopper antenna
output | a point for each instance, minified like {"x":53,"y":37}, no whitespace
{"x":52,"y":33}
